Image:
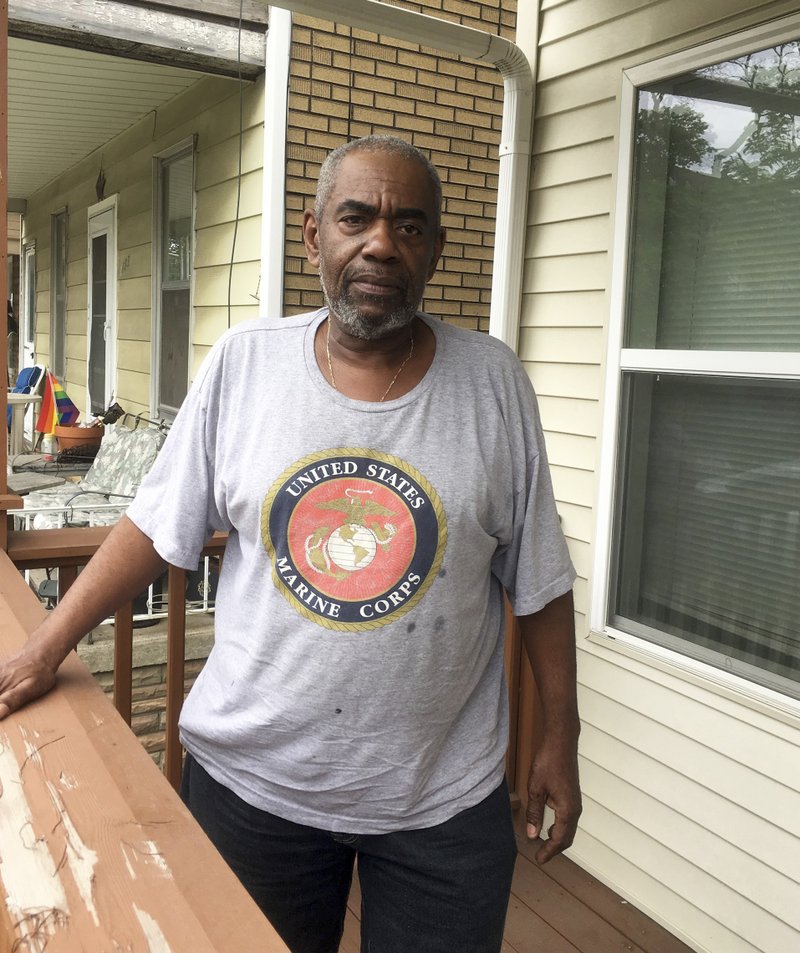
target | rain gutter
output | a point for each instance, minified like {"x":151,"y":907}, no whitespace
{"x":515,"y":134}
{"x":273,"y":212}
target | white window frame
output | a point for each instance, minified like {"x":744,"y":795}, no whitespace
{"x":741,"y":364}
{"x":102,"y":220}
{"x":27,"y":318}
{"x":189,"y":147}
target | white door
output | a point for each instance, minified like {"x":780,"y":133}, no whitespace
{"x":101,"y":331}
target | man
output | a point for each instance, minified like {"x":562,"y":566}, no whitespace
{"x":387,"y":487}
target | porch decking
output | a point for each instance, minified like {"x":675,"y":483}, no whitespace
{"x":558,"y":908}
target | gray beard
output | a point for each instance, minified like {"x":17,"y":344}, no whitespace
{"x":367,"y":329}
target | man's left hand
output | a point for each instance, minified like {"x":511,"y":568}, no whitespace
{"x":553,"y":781}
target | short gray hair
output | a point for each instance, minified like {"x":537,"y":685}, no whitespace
{"x":392,"y":145}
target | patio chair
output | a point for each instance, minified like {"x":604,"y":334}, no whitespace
{"x":30,"y":380}
{"x":102,"y":495}
{"x":25,"y":392}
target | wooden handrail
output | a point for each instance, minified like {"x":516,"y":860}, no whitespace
{"x":43,"y":548}
{"x":72,"y":546}
{"x":97,"y":852}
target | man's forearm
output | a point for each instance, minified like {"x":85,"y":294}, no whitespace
{"x":549,"y":639}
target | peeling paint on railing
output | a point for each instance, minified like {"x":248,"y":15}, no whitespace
{"x":156,"y":941}
{"x":34,"y":895}
{"x":80,"y":859}
{"x":77,"y":856}
{"x":148,"y":852}
{"x":32,"y":878}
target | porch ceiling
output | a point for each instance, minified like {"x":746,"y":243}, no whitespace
{"x":64,"y":103}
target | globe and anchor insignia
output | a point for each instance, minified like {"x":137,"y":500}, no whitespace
{"x":355,"y":537}
{"x":354,"y":544}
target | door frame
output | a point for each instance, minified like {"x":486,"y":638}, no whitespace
{"x":102,"y":220}
{"x":27,"y":311}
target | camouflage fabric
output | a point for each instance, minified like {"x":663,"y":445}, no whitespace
{"x":100,"y":498}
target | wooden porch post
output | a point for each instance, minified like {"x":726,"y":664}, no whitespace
{"x":4,"y":238}
{"x":7,"y":500}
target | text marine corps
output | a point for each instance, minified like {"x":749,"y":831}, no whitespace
{"x":356,"y":537}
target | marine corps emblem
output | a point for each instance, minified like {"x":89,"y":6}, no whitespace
{"x":355,"y":537}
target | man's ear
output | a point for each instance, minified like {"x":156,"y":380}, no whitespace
{"x":311,"y":237}
{"x":438,"y":248}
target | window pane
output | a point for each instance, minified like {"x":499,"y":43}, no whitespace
{"x":97,"y":325}
{"x":177,"y":237}
{"x":174,"y":370}
{"x":177,"y":219}
{"x":708,"y":543}
{"x":716,"y":200}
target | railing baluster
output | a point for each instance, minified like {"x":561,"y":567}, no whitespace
{"x":123,"y":661}
{"x":66,"y":576}
{"x":176,"y":651}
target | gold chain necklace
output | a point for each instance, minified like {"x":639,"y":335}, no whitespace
{"x":393,"y":380}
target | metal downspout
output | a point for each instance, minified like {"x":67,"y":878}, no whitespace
{"x":273,"y":214}
{"x":515,"y":134}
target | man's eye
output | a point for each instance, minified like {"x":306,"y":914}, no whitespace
{"x":352,"y":220}
{"x":410,"y":228}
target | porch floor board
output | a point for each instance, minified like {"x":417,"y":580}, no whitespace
{"x":559,"y":908}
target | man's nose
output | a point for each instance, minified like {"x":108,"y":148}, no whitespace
{"x":380,"y":241}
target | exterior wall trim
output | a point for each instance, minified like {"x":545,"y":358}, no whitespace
{"x":94,"y":211}
{"x":273,"y":216}
{"x":771,"y":31}
{"x":763,"y":364}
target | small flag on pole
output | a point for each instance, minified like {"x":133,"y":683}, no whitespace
{"x":56,"y":408}
{"x":67,"y":412}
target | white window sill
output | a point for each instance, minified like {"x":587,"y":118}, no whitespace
{"x":736,"y":689}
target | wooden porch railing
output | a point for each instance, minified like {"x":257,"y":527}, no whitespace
{"x":69,"y":549}
{"x":97,"y":852}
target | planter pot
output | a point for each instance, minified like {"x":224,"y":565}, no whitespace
{"x":71,"y":437}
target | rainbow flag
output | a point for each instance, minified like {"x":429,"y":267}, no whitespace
{"x":56,"y":408}
{"x":67,"y":412}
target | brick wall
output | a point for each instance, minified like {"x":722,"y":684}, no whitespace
{"x":347,"y":83}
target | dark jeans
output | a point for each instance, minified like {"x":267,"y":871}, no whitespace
{"x":441,"y":889}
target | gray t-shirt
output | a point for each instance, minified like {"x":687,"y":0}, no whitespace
{"x":356,"y":681}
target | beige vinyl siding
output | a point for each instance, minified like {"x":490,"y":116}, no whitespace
{"x":134,"y":301}
{"x":208,"y":110}
{"x":218,"y":191}
{"x":692,"y":794}
{"x":38,"y":226}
